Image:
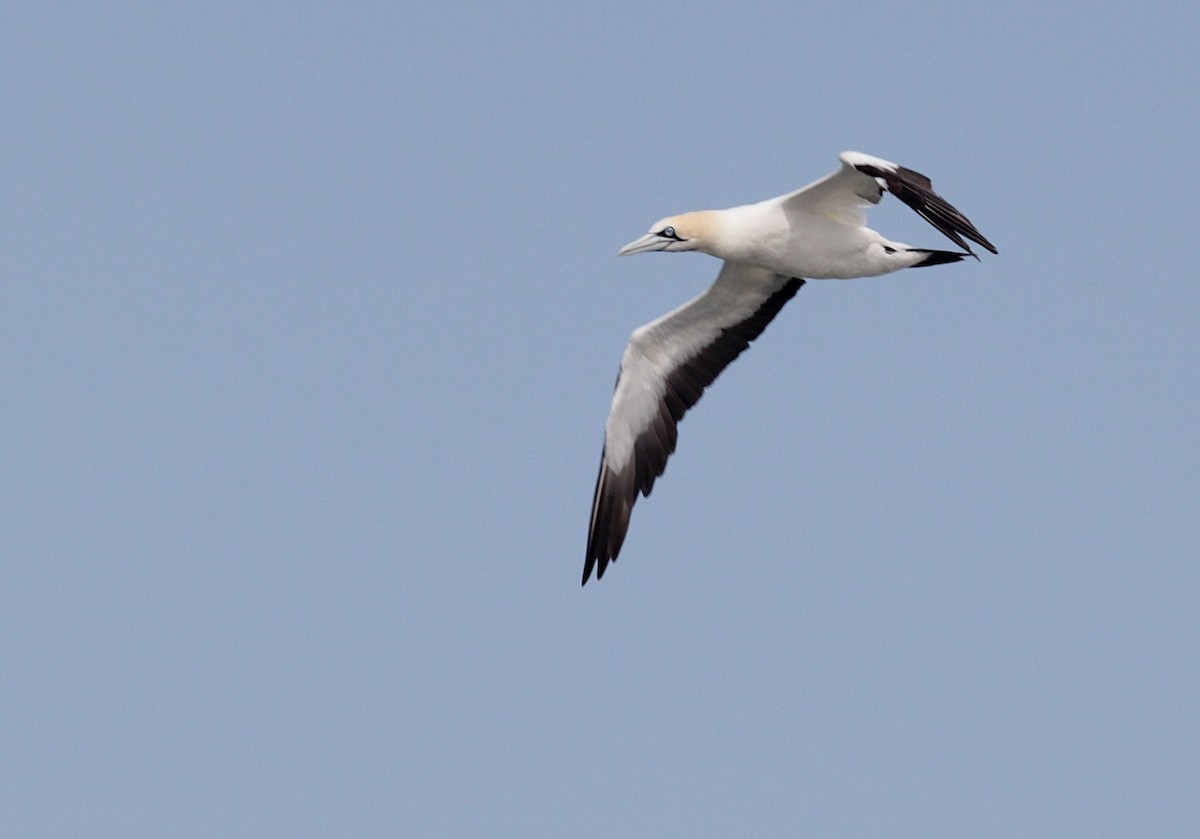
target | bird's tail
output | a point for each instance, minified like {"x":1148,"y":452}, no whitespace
{"x":939,"y":257}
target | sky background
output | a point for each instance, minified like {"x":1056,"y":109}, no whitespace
{"x":309,"y":321}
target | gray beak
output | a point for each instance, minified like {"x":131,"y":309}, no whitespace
{"x":649,"y":242}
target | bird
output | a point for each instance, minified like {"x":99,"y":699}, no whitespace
{"x":769,"y":250}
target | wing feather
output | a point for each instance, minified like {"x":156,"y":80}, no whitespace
{"x":664,"y":371}
{"x":861,"y":181}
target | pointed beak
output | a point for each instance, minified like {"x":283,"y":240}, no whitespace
{"x":649,"y":242}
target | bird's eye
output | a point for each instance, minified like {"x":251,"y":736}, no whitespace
{"x":669,"y":232}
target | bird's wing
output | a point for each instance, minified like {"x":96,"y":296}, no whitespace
{"x":861,"y":181}
{"x":666,"y":367}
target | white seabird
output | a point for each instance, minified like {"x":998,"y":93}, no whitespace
{"x":769,"y":249}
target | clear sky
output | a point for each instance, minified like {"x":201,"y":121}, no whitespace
{"x":308,"y":326}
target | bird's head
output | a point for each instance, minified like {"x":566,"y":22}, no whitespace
{"x":687,"y":232}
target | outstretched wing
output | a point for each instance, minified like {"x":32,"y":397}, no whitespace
{"x":666,"y":367}
{"x":861,"y":182}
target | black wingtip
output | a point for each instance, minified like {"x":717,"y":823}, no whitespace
{"x":916,"y":190}
{"x":591,"y":563}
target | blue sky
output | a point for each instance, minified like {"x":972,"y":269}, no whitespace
{"x":309,"y":324}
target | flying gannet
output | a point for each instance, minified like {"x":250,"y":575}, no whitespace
{"x":769,"y":249}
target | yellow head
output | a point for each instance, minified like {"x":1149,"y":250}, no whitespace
{"x":686,"y":232}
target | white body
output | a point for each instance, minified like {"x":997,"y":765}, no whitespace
{"x":798,"y":242}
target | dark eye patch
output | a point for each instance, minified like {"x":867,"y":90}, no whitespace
{"x":669,"y":233}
